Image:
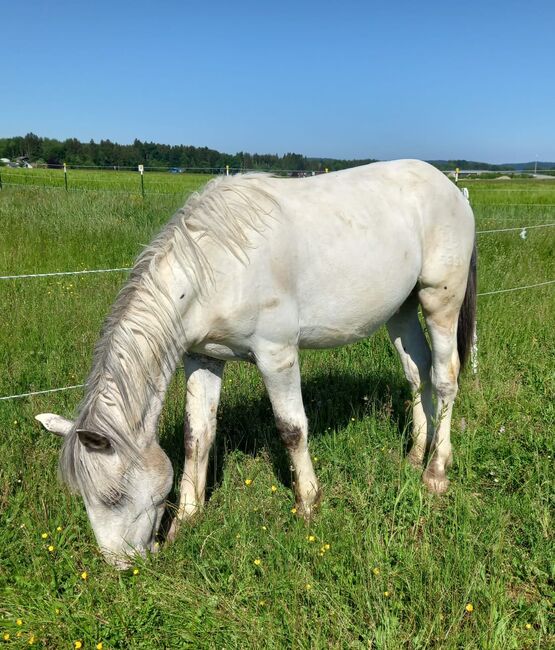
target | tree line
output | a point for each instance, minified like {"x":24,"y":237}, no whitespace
{"x":52,"y":152}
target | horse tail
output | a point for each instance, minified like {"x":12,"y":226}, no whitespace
{"x":467,"y":315}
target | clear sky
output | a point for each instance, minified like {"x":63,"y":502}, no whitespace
{"x":347,"y":79}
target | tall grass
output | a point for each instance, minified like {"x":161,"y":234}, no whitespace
{"x":401,"y":567}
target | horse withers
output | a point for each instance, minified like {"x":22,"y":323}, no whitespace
{"x":255,"y":268}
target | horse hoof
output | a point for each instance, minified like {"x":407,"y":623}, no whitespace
{"x":415,"y":459}
{"x":307,"y":510}
{"x":172,"y":533}
{"x":436,"y":483}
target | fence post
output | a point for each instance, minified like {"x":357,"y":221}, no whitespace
{"x":457,"y":170}
{"x":141,"y":170}
{"x":227,"y":170}
{"x":65,"y":176}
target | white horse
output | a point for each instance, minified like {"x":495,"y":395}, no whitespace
{"x":254,"y":268}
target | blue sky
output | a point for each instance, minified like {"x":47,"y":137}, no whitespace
{"x":348,"y":79}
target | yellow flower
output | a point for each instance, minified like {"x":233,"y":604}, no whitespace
{"x":84,"y":575}
{"x":19,"y":633}
{"x":311,"y":538}
{"x":327,"y":547}
{"x":261,"y":603}
{"x":263,"y":527}
{"x":32,"y":639}
{"x":78,"y":644}
{"x":293,"y":510}
{"x":248,"y":481}
{"x":469,"y":607}
{"x":57,"y":611}
{"x":6,"y":636}
{"x":135,"y":572}
{"x":258,"y":561}
{"x":274,"y":488}
{"x":44,"y":536}
{"x":99,"y":646}
{"x":321,"y":554}
{"x":315,"y":459}
{"x":59,"y":529}
{"x":528,"y":626}
{"x":376,"y":571}
{"x":51,"y":549}
{"x":308,"y":586}
{"x":19,"y":622}
{"x":386,"y":594}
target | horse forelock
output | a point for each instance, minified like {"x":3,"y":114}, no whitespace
{"x":122,"y":382}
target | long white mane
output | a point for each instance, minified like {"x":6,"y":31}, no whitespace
{"x":122,"y":382}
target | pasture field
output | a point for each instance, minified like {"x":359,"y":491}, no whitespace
{"x":383,"y":564}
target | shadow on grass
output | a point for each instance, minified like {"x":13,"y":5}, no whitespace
{"x":331,"y":400}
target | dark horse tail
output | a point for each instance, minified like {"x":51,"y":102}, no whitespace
{"x":467,"y":315}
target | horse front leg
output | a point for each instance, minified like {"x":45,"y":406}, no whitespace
{"x":279,"y":367}
{"x":204,"y":380}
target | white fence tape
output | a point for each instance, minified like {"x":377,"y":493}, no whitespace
{"x":59,"y":273}
{"x":474,"y":350}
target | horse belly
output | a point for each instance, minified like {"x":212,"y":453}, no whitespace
{"x":345,"y":298}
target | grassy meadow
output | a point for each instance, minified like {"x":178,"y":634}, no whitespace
{"x":384,"y":564}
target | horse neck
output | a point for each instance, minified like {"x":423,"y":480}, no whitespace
{"x":137,"y":356}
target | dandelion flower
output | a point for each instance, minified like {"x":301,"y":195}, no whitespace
{"x":386,"y":594}
{"x":19,"y":633}
{"x":469,"y":607}
{"x":44,"y":536}
{"x":135,"y":572}
{"x":258,"y":561}
{"x":308,"y":586}
{"x":51,"y":549}
{"x":59,"y":529}
{"x":293,"y":510}
{"x":78,"y":644}
{"x":274,"y":488}
{"x":84,"y":575}
{"x":32,"y":639}
{"x":315,"y":459}
{"x":327,"y":547}
{"x":264,"y":528}
{"x":262,"y":603}
{"x":19,"y":622}
{"x":6,"y":636}
{"x":376,"y":571}
{"x":99,"y":646}
{"x":321,"y":554}
{"x":57,"y":611}
{"x":248,"y":481}
{"x":311,"y":538}
{"x":528,"y":626}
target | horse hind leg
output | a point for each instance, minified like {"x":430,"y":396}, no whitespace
{"x":204,"y":380}
{"x":441,"y":305}
{"x":408,"y":339}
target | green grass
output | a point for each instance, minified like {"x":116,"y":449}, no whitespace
{"x":488,"y":542}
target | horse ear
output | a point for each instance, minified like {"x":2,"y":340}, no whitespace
{"x":93,"y":440}
{"x":55,"y":423}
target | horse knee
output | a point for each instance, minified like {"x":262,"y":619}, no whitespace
{"x":291,"y":434}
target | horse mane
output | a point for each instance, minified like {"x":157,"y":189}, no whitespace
{"x":227,"y":211}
